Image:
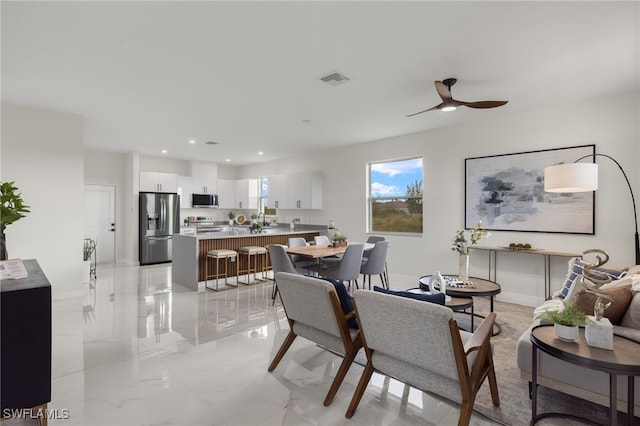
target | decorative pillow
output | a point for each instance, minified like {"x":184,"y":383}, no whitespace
{"x":433,"y":298}
{"x":346,"y":301}
{"x":631,"y":318}
{"x":576,"y":266}
{"x":621,"y":298}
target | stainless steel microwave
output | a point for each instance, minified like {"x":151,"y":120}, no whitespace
{"x":204,"y":200}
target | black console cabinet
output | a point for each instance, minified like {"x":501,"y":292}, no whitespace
{"x":25,"y":333}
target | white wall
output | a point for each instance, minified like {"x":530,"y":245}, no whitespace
{"x":610,"y":123}
{"x":42,"y":152}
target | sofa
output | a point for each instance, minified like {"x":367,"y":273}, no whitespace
{"x":579,"y":381}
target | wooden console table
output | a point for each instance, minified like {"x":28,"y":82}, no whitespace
{"x":546,"y":254}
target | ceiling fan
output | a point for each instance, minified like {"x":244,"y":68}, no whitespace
{"x":449,"y":104}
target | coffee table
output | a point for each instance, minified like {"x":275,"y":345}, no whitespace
{"x":623,"y":360}
{"x":481,"y":287}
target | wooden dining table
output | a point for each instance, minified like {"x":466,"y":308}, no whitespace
{"x":318,"y":251}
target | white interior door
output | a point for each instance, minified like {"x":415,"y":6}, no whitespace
{"x":100,"y":222}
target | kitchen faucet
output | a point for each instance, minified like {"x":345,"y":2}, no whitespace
{"x":264,"y":219}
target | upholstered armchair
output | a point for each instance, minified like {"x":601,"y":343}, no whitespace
{"x":419,"y":343}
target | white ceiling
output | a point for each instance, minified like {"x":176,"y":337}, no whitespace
{"x":148,"y":76}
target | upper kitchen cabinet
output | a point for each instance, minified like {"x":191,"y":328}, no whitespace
{"x":158,"y":182}
{"x":205,"y":177}
{"x":278,"y":197}
{"x":226,"y":193}
{"x":305,"y":190}
{"x":184,"y":191}
{"x":246,"y":194}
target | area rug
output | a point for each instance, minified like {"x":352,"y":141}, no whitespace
{"x":515,"y":405}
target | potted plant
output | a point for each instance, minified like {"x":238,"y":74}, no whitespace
{"x":13,"y":209}
{"x":87,"y":253}
{"x":461,"y":245}
{"x":565,"y":321}
{"x":339,"y":240}
{"x":254,"y":217}
{"x":231,"y":216}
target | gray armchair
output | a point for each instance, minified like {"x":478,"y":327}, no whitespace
{"x":314,"y":312}
{"x":419,"y":343}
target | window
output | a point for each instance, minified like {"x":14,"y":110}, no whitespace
{"x":395,"y":196}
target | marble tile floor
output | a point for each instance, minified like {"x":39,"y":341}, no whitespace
{"x":139,"y":350}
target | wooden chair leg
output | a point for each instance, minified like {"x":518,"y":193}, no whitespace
{"x":493,"y":384}
{"x":283,"y":350}
{"x":465,"y":413}
{"x":340,"y":375}
{"x":362,"y":386}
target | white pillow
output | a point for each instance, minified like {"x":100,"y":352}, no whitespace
{"x":549,"y":305}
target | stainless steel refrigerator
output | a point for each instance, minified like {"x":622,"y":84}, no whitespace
{"x":159,"y":220}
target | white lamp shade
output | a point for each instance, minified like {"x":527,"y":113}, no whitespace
{"x":572,"y":177}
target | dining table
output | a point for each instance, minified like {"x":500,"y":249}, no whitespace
{"x":318,"y":251}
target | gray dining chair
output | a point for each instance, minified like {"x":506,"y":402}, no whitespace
{"x":372,"y":240}
{"x":375,"y":264}
{"x":297,"y":242}
{"x":280,"y":262}
{"x":348,"y":268}
{"x":321,"y":240}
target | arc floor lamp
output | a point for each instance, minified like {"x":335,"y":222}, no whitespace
{"x":583,"y":177}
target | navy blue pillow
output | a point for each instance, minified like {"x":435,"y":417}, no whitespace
{"x":438,"y":299}
{"x":346,"y":301}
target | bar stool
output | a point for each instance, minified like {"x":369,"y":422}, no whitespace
{"x":228,"y":257}
{"x":252,"y":253}
{"x":267,"y":265}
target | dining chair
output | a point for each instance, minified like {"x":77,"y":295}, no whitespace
{"x":316,"y":315}
{"x":444,"y":360}
{"x":297,"y":242}
{"x":280,"y":262}
{"x":372,"y":240}
{"x":348,"y":268}
{"x":321,"y":240}
{"x":375,"y":264}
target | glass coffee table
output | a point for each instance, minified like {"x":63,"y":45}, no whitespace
{"x":479,"y":287}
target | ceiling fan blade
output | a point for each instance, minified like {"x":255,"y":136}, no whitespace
{"x":483,"y":104}
{"x":430,"y":109}
{"x":443,"y":91}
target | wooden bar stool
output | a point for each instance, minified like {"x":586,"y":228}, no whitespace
{"x":267,"y":265}
{"x":228,"y":257}
{"x":252,"y":254}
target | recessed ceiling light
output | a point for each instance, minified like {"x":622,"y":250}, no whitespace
{"x":164,"y":151}
{"x":227,"y":160}
{"x":260,"y":152}
{"x":191,"y":141}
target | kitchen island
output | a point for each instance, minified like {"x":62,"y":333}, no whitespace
{"x":190,"y":251}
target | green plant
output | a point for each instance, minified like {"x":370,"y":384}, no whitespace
{"x":569,"y":316}
{"x":13,"y":207}
{"x":254,"y":216}
{"x":231,"y":215}
{"x":460,"y":243}
{"x":89,"y":248}
{"x":338,"y":237}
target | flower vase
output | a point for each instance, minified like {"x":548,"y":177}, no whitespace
{"x":86,"y":271}
{"x":463,"y":267}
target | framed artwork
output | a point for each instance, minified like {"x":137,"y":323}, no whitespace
{"x":506,"y":193}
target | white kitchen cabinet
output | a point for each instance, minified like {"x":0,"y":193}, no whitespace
{"x":184,"y":191}
{"x":246,"y":194}
{"x":204,"y":177}
{"x":305,"y":190}
{"x":278,"y":195}
{"x":226,"y":193}
{"x":158,"y":182}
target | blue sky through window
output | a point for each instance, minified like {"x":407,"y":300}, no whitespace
{"x":392,"y":178}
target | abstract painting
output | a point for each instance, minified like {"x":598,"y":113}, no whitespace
{"x":506,"y":193}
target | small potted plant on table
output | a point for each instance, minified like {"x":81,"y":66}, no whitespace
{"x":231,"y":216}
{"x":565,"y":322}
{"x":339,"y":240}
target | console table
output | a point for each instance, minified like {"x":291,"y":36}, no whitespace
{"x":623,"y":360}
{"x":546,"y":254}
{"x":26,"y":340}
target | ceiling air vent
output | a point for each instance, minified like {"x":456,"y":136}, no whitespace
{"x":334,"y":79}
{"x":211,"y":143}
